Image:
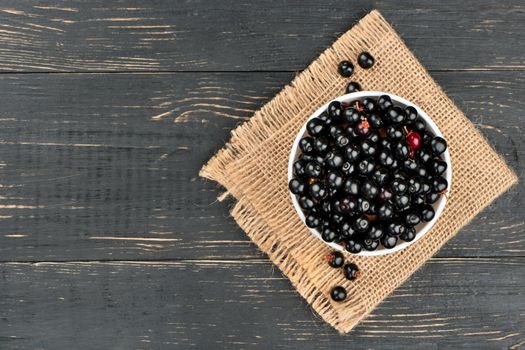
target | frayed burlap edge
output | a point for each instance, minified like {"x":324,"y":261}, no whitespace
{"x":258,"y":152}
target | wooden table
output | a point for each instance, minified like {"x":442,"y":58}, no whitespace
{"x":110,"y":240}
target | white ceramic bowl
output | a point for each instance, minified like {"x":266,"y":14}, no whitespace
{"x":423,"y":227}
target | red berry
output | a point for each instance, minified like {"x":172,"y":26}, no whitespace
{"x":414,"y":141}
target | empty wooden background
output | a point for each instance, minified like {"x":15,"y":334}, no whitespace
{"x":110,"y":240}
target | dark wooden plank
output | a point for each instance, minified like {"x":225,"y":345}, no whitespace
{"x":112,"y":35}
{"x":449,"y":304}
{"x":93,"y":166}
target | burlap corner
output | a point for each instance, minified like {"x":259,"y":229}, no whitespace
{"x":253,"y":168}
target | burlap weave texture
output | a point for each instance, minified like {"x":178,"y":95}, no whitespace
{"x":253,"y":168}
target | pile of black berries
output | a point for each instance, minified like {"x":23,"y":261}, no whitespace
{"x":368,"y":173}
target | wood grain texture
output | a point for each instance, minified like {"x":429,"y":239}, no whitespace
{"x":448,"y":304}
{"x":104,"y":166}
{"x":134,"y":35}
{"x":96,"y":169}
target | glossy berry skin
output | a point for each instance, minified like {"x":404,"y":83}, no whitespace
{"x":427,"y":213}
{"x":384,"y":102}
{"x":335,"y":218}
{"x":385,"y":212}
{"x":334,"y":180}
{"x":438,"y":145}
{"x":370,"y":245}
{"x":418,"y":199}
{"x":401,"y":150}
{"x":437,"y":167}
{"x":296,"y":186}
{"x":401,"y":202}
{"x":380,"y":176}
{"x":325,"y":118}
{"x":439,"y":185}
{"x":361,"y":224}
{"x":325,"y":209}
{"x":363,"y":205}
{"x":432,"y":197}
{"x":321,"y":145}
{"x":366,"y":166}
{"x":353,"y":246}
{"x":414,"y":185}
{"x":410,"y":115}
{"x":352,"y":116}
{"x":369,"y":190}
{"x":375,"y":121}
{"x":395,"y":115}
{"x":334,"y":131}
{"x":348,"y":169}
{"x":353,"y":152}
{"x":365,"y":60}
{"x":398,"y":186}
{"x":375,"y":233}
{"x":306,"y":145}
{"x":329,"y":235}
{"x":388,"y":241}
{"x":421,"y":171}
{"x":362,"y":128}
{"x":335,"y":110}
{"x":298,"y":167}
{"x":317,"y":191}
{"x":347,"y":231}
{"x":409,"y":234}
{"x":423,"y":155}
{"x":338,"y":294}
{"x":353,"y":87}
{"x":368,"y":149}
{"x":373,"y":136}
{"x":385,"y":144}
{"x":414,"y":140}
{"x":425,"y":187}
{"x":384,"y":195}
{"x":313,"y":170}
{"x":394,"y":133}
{"x":306,"y":203}
{"x":369,"y":104}
{"x":386,"y":159}
{"x":342,"y":141}
{"x":419,"y":125}
{"x":345,"y":205}
{"x":345,"y":68}
{"x":351,"y":186}
{"x":412,"y":219}
{"x":316,"y":158}
{"x":334,"y":159}
{"x":395,"y":229}
{"x":351,"y":271}
{"x":351,"y":133}
{"x":312,"y":221}
{"x":316,"y":127}
{"x":335,"y":259}
{"x":410,"y":165}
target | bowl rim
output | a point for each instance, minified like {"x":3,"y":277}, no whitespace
{"x":438,"y":206}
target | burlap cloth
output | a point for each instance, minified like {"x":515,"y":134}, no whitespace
{"x":253,"y":168}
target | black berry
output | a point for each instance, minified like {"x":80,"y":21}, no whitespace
{"x":353,"y":87}
{"x":365,"y":60}
{"x":338,"y":294}
{"x":346,"y":68}
{"x":351,"y":271}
